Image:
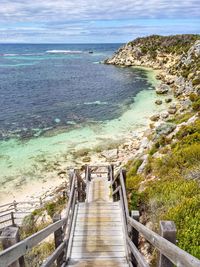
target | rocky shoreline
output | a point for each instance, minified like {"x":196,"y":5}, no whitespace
{"x":175,"y":90}
{"x":179,"y":74}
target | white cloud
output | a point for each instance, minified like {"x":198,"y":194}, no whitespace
{"x":46,"y":10}
{"x":24,"y":20}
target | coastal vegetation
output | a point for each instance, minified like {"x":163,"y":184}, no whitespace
{"x":163,"y":180}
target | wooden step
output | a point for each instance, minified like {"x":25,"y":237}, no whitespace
{"x":98,"y":242}
{"x":86,"y":255}
{"x":98,"y":263}
{"x":98,"y":228}
{"x":98,"y":215}
{"x":99,"y":248}
{"x":99,"y":204}
{"x":97,"y":238}
{"x":97,"y":232}
{"x":87,"y":224}
{"x":98,"y":219}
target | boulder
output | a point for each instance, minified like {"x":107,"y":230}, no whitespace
{"x":155,"y":117}
{"x":87,"y":159}
{"x":168,"y":100}
{"x":158,"y":102}
{"x":165,"y":128}
{"x":172,"y":109}
{"x":110,"y":154}
{"x":164,"y":115}
{"x":162,"y":88}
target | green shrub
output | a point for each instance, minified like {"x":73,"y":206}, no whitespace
{"x":133,"y":167}
{"x":55,"y":207}
{"x":186,"y":216}
{"x":196,"y":105}
{"x":133,"y":182}
{"x":194,"y":97}
{"x":134,"y":201}
{"x":181,"y":118}
{"x":38,"y":254}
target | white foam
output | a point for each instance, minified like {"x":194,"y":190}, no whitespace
{"x":96,"y":103}
{"x":64,"y":52}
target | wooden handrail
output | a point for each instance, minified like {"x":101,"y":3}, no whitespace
{"x":176,"y":255}
{"x":138,"y":256}
{"x":11,"y":254}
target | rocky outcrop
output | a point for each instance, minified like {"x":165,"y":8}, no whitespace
{"x":176,"y":56}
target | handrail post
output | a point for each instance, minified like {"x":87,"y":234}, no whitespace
{"x":58,"y":238}
{"x":168,"y":231}
{"x":124,"y":176}
{"x":109,"y":173}
{"x":134,"y":233}
{"x":9,"y":237}
{"x":12,"y":218}
{"x":112,"y":172}
{"x":15,"y":205}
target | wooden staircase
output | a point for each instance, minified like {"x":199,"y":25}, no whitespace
{"x":97,"y":229}
{"x":98,"y":236}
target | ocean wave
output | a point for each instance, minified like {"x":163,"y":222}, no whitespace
{"x":26,"y":54}
{"x":64,"y":52}
{"x":96,"y":103}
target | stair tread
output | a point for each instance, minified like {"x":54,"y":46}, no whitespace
{"x":109,"y":254}
{"x":99,"y":263}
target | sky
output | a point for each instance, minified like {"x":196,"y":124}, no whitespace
{"x":95,"y":21}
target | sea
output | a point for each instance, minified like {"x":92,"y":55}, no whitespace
{"x":56,"y":99}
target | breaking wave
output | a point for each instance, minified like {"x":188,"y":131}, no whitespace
{"x":96,"y":103}
{"x":64,"y":52}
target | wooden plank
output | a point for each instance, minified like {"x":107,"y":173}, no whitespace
{"x":109,"y":255}
{"x":99,"y":212}
{"x":98,"y":207}
{"x":87,"y":224}
{"x":98,"y":228}
{"x":94,"y":204}
{"x":98,"y":215}
{"x":97,"y":248}
{"x":175,"y":254}
{"x":88,"y":242}
{"x":98,"y":263}
{"x":97,"y":220}
{"x":97,"y":238}
{"x":97,"y":232}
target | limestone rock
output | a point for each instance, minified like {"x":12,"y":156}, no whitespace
{"x":164,"y":115}
{"x":165,"y":128}
{"x":110,"y":154}
{"x":168,"y":100}
{"x":158,"y":102}
{"x":155,"y":117}
{"x":162,"y":88}
{"x":143,"y":165}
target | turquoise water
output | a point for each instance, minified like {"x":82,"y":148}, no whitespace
{"x":24,"y":160}
{"x":54,"y":104}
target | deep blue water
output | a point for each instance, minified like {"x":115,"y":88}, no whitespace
{"x":41,"y":89}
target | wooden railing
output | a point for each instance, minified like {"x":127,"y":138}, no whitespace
{"x":170,"y":254}
{"x":60,"y":228}
{"x":12,"y":214}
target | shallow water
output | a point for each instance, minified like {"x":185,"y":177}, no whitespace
{"x":75,"y":104}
